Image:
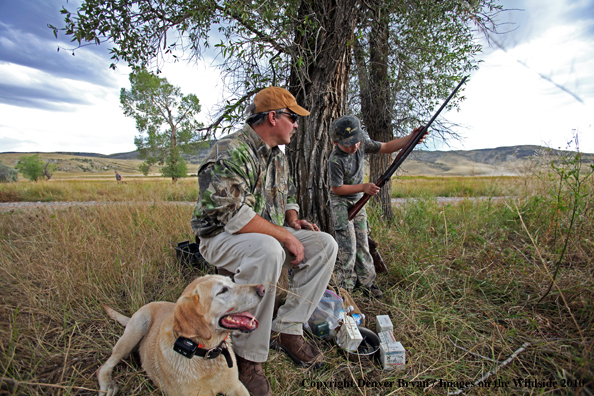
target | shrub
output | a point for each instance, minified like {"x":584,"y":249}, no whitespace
{"x":8,"y":174}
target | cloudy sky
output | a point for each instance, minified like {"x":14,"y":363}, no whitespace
{"x":538,"y":89}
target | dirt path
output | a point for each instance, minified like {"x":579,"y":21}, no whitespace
{"x":11,"y":206}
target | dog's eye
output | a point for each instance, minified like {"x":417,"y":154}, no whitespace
{"x":225,"y":289}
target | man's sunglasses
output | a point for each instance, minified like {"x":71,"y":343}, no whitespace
{"x":294,"y":117}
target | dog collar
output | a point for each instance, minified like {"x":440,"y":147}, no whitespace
{"x":189,"y":348}
{"x":214,"y":353}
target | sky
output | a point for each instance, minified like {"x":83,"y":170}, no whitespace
{"x":535,"y":84}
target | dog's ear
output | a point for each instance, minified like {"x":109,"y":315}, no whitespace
{"x":188,"y":322}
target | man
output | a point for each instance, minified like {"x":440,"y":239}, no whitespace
{"x":119,"y":178}
{"x":247,"y":220}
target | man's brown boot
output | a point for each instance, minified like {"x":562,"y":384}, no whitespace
{"x":301,"y":352}
{"x":252,"y":377}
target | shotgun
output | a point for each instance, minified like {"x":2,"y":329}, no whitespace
{"x":401,"y":156}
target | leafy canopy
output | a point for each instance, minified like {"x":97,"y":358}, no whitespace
{"x":165,"y":119}
{"x":33,"y":167}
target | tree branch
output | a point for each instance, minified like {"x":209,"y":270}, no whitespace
{"x":229,"y":110}
{"x":264,"y":37}
{"x":495,"y":370}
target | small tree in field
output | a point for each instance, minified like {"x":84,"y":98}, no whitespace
{"x":31,"y":166}
{"x":165,"y":119}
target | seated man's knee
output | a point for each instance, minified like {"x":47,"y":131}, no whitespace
{"x":271,"y":249}
{"x":328,"y":242}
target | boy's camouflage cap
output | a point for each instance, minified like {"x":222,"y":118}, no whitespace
{"x":346,"y":130}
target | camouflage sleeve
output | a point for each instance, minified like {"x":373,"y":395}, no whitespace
{"x":292,"y":197}
{"x":335,"y":172}
{"x":225,"y":196}
{"x":371,"y":146}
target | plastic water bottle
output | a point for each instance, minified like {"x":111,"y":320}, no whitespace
{"x":358,"y":318}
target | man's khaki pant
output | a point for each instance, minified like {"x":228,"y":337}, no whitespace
{"x":259,"y":259}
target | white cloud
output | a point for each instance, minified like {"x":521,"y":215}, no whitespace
{"x":512,"y":103}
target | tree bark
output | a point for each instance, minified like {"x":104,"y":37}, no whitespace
{"x":323,"y":90}
{"x":377,"y":103}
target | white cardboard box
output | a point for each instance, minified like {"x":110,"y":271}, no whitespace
{"x":392,"y":353}
{"x":383,"y":323}
{"x":348,"y":336}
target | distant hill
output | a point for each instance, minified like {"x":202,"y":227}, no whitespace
{"x":502,"y":161}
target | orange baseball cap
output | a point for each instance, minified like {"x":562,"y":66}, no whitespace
{"x":275,"y":98}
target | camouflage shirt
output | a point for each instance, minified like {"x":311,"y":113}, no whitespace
{"x":241,"y":177}
{"x":344,"y":168}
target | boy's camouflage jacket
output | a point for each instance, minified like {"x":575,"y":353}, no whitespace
{"x":241,"y":177}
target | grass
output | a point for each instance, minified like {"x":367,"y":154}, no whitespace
{"x":466,"y":275}
{"x":161,"y":189}
{"x":419,"y":186}
{"x":135,"y":189}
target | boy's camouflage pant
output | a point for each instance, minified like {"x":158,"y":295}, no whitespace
{"x":354,"y":262}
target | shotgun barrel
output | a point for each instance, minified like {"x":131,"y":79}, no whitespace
{"x":353,"y":210}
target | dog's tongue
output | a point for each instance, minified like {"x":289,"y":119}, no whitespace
{"x":243,"y":321}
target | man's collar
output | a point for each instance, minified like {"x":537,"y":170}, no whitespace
{"x":263,"y":149}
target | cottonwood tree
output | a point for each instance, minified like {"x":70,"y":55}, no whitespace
{"x":303,"y":45}
{"x":33,"y":168}
{"x":165,"y":119}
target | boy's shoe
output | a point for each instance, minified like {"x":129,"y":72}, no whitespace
{"x":372,"y":291}
{"x":298,"y":349}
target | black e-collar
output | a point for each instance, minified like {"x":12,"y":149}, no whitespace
{"x":189,"y":348}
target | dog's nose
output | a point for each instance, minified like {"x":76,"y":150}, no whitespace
{"x":260,"y":289}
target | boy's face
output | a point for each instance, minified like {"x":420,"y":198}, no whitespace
{"x":348,"y":149}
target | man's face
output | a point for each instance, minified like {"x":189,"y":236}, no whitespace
{"x":285,"y":127}
{"x":349,"y":149}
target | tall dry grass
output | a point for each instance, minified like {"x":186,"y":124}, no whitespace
{"x":57,"y":267}
{"x":468,"y":276}
{"x":135,"y":189}
{"x":455,"y":186}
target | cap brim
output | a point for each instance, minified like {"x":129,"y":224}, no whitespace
{"x":352,"y":140}
{"x":298,"y":110}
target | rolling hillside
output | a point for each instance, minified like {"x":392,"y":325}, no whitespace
{"x":502,"y":161}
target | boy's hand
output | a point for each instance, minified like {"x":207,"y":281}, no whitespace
{"x":370,"y":189}
{"x":418,"y":129}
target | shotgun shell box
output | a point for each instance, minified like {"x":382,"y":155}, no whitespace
{"x":349,"y":337}
{"x":386,"y":337}
{"x":383,"y":323}
{"x":320,"y":329}
{"x":392,"y":353}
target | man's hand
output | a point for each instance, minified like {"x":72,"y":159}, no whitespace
{"x":303,"y":225}
{"x":294,"y":247}
{"x":258,"y":225}
{"x":370,"y":189}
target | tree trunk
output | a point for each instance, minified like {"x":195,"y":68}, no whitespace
{"x":173,"y":152}
{"x":323,"y":90}
{"x":376,"y":104}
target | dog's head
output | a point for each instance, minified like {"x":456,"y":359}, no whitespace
{"x":214,"y":304}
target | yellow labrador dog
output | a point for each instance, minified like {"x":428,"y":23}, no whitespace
{"x":183,"y":346}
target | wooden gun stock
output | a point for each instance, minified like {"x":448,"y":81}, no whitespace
{"x":353,"y":210}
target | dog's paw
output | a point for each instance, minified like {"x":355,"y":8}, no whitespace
{"x":108,"y":389}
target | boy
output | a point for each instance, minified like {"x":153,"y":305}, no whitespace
{"x":354,"y":264}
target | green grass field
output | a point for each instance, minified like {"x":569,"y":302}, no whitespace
{"x":467,"y":287}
